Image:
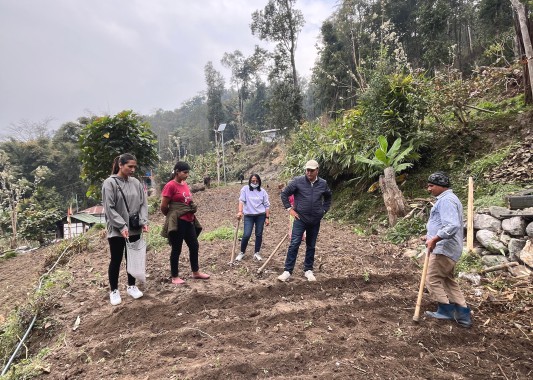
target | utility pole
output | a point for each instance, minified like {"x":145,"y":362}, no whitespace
{"x":221,"y":128}
{"x":218,"y":157}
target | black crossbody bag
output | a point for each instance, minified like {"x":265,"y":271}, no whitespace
{"x":134,"y":222}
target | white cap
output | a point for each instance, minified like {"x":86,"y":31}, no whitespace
{"x":311,"y":164}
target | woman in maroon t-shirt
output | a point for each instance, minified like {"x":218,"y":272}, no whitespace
{"x":177,"y":190}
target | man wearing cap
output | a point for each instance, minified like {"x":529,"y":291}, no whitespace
{"x":444,"y":242}
{"x":312,"y":199}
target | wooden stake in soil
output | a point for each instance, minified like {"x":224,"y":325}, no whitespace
{"x":470,"y":216}
{"x":421,"y":289}
{"x":272,"y":254}
{"x":235,"y":241}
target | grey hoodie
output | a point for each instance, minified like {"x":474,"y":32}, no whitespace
{"x":115,"y":210}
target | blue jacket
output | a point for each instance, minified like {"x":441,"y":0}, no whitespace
{"x":311,"y":200}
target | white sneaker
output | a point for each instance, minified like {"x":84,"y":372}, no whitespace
{"x":257,"y":256}
{"x":114,"y":297}
{"x":134,"y":292}
{"x":310,"y":276}
{"x":284,"y":276}
{"x":239,"y":257}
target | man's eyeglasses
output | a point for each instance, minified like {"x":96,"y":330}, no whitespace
{"x":310,"y":170}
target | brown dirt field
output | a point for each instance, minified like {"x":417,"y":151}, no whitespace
{"x":240,"y":325}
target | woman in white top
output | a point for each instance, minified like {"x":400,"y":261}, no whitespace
{"x":255,"y":206}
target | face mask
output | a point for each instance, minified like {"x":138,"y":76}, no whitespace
{"x":254,"y":185}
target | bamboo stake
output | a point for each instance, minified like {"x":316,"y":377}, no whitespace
{"x":272,"y":254}
{"x":470,"y":216}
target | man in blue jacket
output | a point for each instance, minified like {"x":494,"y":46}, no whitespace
{"x":312,"y":199}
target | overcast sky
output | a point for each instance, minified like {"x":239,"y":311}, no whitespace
{"x":63,"y":59}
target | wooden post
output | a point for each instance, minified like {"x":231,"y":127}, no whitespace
{"x":470,"y":216}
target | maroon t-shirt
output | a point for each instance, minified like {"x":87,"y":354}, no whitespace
{"x":179,"y":192}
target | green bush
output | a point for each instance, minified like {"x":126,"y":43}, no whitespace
{"x":154,"y":240}
{"x":153,"y":205}
{"x":469,"y":262}
{"x":8,"y":255}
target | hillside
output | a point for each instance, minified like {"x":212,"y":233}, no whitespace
{"x":354,"y":322}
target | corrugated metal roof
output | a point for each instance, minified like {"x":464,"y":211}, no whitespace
{"x":86,"y":218}
{"x":94,"y":210}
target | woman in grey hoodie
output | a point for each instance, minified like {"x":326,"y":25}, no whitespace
{"x":118,"y":189}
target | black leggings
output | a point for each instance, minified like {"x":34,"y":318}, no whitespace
{"x":117,"y":246}
{"x":187,"y":232}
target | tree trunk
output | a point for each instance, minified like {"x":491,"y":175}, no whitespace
{"x":392,"y":196}
{"x":13,"y":241}
{"x":521,"y":11}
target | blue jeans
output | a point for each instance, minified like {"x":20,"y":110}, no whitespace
{"x":298,"y":229}
{"x":249,"y":221}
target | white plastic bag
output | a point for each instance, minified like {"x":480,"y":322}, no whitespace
{"x":136,"y":262}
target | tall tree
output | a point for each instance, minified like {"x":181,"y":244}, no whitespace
{"x":523,"y":19}
{"x":215,"y":90}
{"x":280,"y":22}
{"x":40,"y":212}
{"x":256,"y":111}
{"x":12,"y":189}
{"x":243,"y":71}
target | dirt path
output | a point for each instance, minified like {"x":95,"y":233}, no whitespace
{"x":354,"y":322}
{"x":18,"y":277}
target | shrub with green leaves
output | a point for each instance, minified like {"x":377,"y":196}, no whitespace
{"x":109,"y":136}
{"x":405,"y":229}
{"x":469,"y":262}
{"x":393,"y":106}
{"x":154,"y":240}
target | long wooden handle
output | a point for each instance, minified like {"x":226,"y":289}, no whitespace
{"x":272,"y":254}
{"x":421,"y":289}
{"x":470,"y":217}
{"x":235,"y":241}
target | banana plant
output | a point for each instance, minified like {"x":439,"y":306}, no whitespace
{"x":391,"y":162}
{"x":385,"y":157}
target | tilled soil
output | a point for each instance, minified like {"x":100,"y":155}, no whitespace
{"x":355,"y":322}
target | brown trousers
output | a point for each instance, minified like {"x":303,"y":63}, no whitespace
{"x":440,"y":283}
